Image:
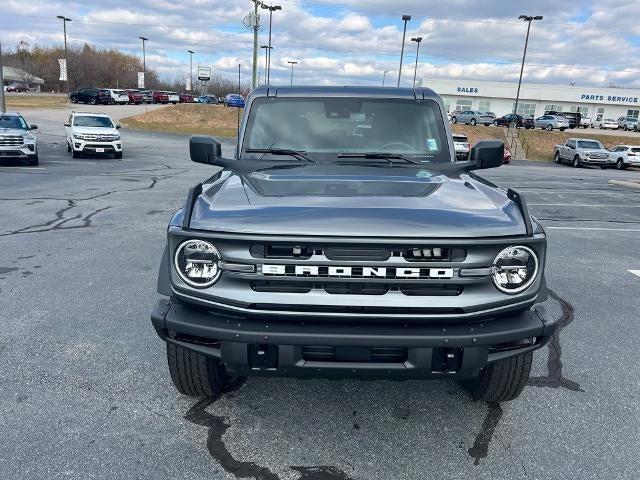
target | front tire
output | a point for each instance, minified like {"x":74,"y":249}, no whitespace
{"x":75,"y":154}
{"x":501,"y":381}
{"x":495,"y":123}
{"x":576,"y":161}
{"x":620,"y":164}
{"x":549,"y":127}
{"x":453,"y":119}
{"x":117,"y":155}
{"x":472,"y":122}
{"x":194,"y":374}
{"x":33,"y":161}
{"x":93,"y":101}
{"x":556,"y":157}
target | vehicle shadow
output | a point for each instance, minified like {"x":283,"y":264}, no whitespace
{"x":323,"y":428}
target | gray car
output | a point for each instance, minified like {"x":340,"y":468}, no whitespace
{"x":628,"y":123}
{"x":549,"y":122}
{"x":472,"y":117}
{"x":17,"y":140}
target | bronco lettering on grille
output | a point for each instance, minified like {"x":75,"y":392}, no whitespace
{"x":355,"y":272}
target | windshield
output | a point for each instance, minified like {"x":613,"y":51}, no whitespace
{"x":13,"y":121}
{"x":88,"y":121}
{"x":589,"y":144}
{"x":330,"y":126}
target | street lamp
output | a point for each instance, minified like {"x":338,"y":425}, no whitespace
{"x":66,"y":55}
{"x":415,"y":72}
{"x":144,"y":62}
{"x":528,"y":19}
{"x":384,"y":76}
{"x":405,"y":19}
{"x":267,"y":50}
{"x":271,"y":8}
{"x":191,"y":52}
{"x":292,"y":64}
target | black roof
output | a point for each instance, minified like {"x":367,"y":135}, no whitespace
{"x":322,"y":91}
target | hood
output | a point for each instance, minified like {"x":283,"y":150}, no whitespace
{"x":13,"y":131}
{"x":317,"y":200}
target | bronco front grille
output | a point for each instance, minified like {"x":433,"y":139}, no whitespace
{"x":11,"y":140}
{"x":340,"y":288}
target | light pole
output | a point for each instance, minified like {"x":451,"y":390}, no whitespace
{"x":384,"y":76}
{"x":267,"y":50}
{"x":144,"y":62}
{"x":191,"y":52}
{"x":66,"y":55}
{"x":292,"y":64}
{"x":415,"y":72}
{"x":271,"y":8}
{"x":528,"y":19}
{"x":405,"y":19}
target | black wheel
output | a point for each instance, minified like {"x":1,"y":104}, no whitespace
{"x":472,"y":122}
{"x":74,"y":100}
{"x":194,"y":374}
{"x":576,"y":161}
{"x":33,"y":161}
{"x":556,"y":157}
{"x":75,"y":154}
{"x":93,"y":101}
{"x":501,"y":381}
{"x":453,"y":119}
{"x":117,"y":155}
{"x":601,"y":127}
{"x":620,"y":164}
{"x":562,"y":129}
{"x":549,"y":127}
{"x":68,"y":147}
{"x":495,"y":123}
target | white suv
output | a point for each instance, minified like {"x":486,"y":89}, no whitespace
{"x":119,"y":97}
{"x":92,"y":133}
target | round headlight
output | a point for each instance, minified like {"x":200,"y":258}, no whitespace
{"x":198,"y":263}
{"x":515,"y":269}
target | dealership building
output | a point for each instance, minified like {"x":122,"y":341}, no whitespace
{"x":535,"y":99}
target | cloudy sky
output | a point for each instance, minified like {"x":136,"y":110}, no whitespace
{"x":590,"y":42}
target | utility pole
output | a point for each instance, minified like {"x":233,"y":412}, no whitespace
{"x":255,"y":24}
{"x":66,"y":54}
{"x":3,"y":105}
{"x":292,"y":64}
{"x":271,"y":8}
{"x":528,"y":19}
{"x":415,"y":72}
{"x":144,"y":61}
{"x":191,"y":52}
{"x":405,"y":19}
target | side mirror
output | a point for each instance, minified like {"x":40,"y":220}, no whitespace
{"x":67,"y":124}
{"x":487,"y":153}
{"x":33,"y":127}
{"x":118,"y":126}
{"x":203,"y":149}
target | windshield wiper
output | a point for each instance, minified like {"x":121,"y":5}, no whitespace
{"x":299,"y":154}
{"x":383,"y":155}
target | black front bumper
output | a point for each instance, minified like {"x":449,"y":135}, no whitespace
{"x":313,"y":349}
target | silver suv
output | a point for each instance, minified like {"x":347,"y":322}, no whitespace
{"x":17,"y":139}
{"x":472,"y":117}
{"x":549,"y":122}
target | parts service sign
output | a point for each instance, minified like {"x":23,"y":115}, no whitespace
{"x":204,"y":73}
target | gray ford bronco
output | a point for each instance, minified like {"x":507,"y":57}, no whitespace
{"x":343,"y":239}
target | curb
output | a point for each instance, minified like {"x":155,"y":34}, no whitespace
{"x":625,"y":183}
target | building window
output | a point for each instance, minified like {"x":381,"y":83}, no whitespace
{"x":553,"y":108}
{"x":525,"y":108}
{"x":600,"y":109}
{"x":463,"y":104}
{"x":484,"y":106}
{"x":633,"y":113}
{"x":580,"y":109}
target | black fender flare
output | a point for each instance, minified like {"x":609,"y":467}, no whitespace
{"x":164,"y":281}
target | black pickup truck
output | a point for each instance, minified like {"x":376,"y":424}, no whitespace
{"x":344,"y":239}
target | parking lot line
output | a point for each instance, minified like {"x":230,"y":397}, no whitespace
{"x":635,"y":272}
{"x":597,"y":229}
{"x":580,"y":205}
{"x":22,"y":168}
{"x":73,"y":163}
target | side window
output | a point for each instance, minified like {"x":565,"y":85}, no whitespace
{"x":571,"y":144}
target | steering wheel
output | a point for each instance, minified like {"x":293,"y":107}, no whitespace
{"x":402,"y":145}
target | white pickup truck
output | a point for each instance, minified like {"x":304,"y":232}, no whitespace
{"x":580,"y":151}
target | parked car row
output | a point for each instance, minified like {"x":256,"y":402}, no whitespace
{"x":586,"y":151}
{"x":113,"y":96}
{"x":17,"y":87}
{"x":231,"y":100}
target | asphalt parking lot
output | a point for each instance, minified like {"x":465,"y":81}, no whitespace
{"x":85,"y":392}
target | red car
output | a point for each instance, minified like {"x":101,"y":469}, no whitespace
{"x":135,"y":96}
{"x":506,"y":157}
{"x":186,"y":98}
{"x":160,"y":97}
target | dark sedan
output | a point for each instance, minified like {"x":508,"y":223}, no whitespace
{"x":92,"y":96}
{"x":519,"y":120}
